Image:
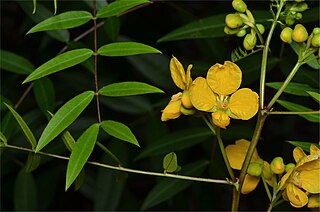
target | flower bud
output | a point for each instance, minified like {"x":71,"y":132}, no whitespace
{"x":299,"y":33}
{"x":298,"y":16}
{"x":185,"y":100}
{"x":260,"y":28}
{"x":315,"y":42}
{"x":249,"y":42}
{"x":242,"y":33}
{"x":299,"y":7}
{"x":289,"y":166}
{"x":316,"y":30}
{"x":239,"y":5}
{"x":286,"y":35}
{"x":277,"y":166}
{"x":186,"y":111}
{"x":229,"y":31}
{"x":233,"y":21}
{"x":254,"y":169}
{"x":290,"y":19}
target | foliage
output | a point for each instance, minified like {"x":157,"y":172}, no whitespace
{"x":83,"y":81}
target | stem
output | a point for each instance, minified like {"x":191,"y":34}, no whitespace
{"x":265,"y":55}
{"x":25,"y":93}
{"x":120,"y":168}
{"x":266,"y":188}
{"x":292,"y":112}
{"x":96,"y":59}
{"x":255,"y":138}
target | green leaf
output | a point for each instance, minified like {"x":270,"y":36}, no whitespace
{"x":120,"y":131}
{"x":64,"y":117}
{"x":167,"y":188}
{"x":64,"y":20}
{"x":15,"y":63}
{"x":126,"y":49}
{"x":80,"y":153}
{"x":59,"y":63}
{"x":42,"y":14}
{"x":210,"y":27}
{"x":78,"y":182}
{"x":68,"y":140}
{"x":3,"y":138}
{"x":25,"y":192}
{"x":304,"y":145}
{"x":2,"y":101}
{"x":170,"y":163}
{"x":294,"y":88}
{"x":299,"y":108}
{"x":117,"y":7}
{"x":313,"y":63}
{"x":175,"y":141}
{"x":314,"y":95}
{"x":128,"y":89}
{"x":26,"y":130}
{"x":44,"y":94}
{"x":33,"y":162}
{"x":112,"y":28}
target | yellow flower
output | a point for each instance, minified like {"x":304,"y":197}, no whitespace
{"x":304,"y":179}
{"x":236,"y":154}
{"x":213,"y":95}
{"x":180,"y":102}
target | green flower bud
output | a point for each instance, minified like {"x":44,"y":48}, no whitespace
{"x":260,"y":28}
{"x":239,"y":5}
{"x":290,"y":20}
{"x":316,"y":30}
{"x":229,"y":31}
{"x":289,"y":166}
{"x":249,"y":42}
{"x":254,"y":169}
{"x":186,"y":111}
{"x":299,"y":33}
{"x":298,"y":16}
{"x":298,"y":0}
{"x":277,"y":166}
{"x":185,"y":100}
{"x":299,"y":7}
{"x":242,"y":33}
{"x":233,"y":21}
{"x":286,"y":35}
{"x":315,"y":42}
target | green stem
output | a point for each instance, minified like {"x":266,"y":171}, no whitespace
{"x":108,"y":152}
{"x":266,"y":188}
{"x":120,"y":168}
{"x":216,"y":131}
{"x":292,"y":112}
{"x":265,"y":55}
{"x":284,"y":85}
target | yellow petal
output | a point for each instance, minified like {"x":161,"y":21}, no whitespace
{"x":172,"y":110}
{"x":284,"y":180}
{"x":201,"y":95}
{"x":314,"y":150}
{"x":236,"y":153}
{"x":314,"y":201}
{"x":249,"y":184}
{"x":244,"y":103}
{"x":177,"y":73}
{"x":224,"y":79}
{"x":188,"y":77}
{"x":298,"y":154}
{"x":220,"y":119}
{"x":296,"y":196}
{"x":309,"y":177}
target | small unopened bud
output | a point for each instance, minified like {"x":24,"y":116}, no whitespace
{"x":289,"y":166}
{"x":230,"y":31}
{"x":260,"y":28}
{"x":298,"y":16}
{"x":316,"y":30}
{"x":315,"y":42}
{"x":186,"y":111}
{"x":233,"y":21}
{"x":286,"y":35}
{"x":254,"y":169}
{"x":239,"y":5}
{"x":277,"y":166}
{"x":299,"y":33}
{"x":290,"y":19}
{"x":242,"y":33}
{"x":299,"y":7}
{"x":185,"y":100}
{"x":249,"y":42}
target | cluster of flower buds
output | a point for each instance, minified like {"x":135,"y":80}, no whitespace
{"x":242,"y":24}
{"x":293,"y":11}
